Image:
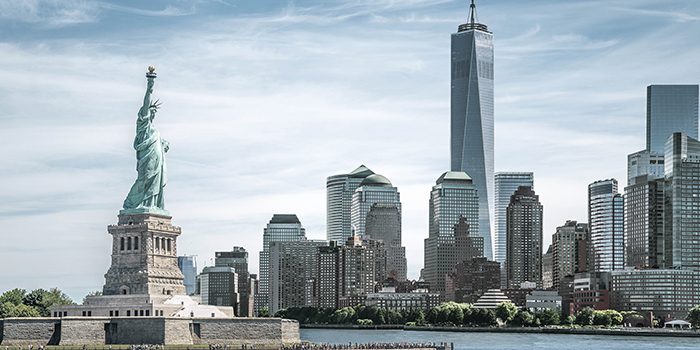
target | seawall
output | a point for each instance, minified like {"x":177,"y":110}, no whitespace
{"x":147,"y":330}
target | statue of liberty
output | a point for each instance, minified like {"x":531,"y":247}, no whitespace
{"x":146,"y":195}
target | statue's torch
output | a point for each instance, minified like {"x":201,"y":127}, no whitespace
{"x":151,"y":72}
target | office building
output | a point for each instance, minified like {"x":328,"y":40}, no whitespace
{"x":644,"y":222}
{"x":668,"y":293}
{"x":471,"y":127}
{"x":606,"y":226}
{"x":506,"y":184}
{"x":238,"y":260}
{"x":188,"y":266}
{"x":292,"y":265}
{"x":591,"y":289}
{"x":218,"y":285}
{"x":453,"y":197}
{"x":645,"y":163}
{"x":373,"y":189}
{"x":281,"y":228}
{"x":339,"y":191}
{"x":540,"y":300}
{"x":682,"y":198}
{"x":384,"y":224}
{"x":670,"y":109}
{"x":524,"y":233}
{"x":569,"y":251}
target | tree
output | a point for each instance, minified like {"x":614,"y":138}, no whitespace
{"x":264,"y":312}
{"x":14,"y":296}
{"x":602,"y":318}
{"x":694,"y":316}
{"x":524,"y":319}
{"x":506,"y":311}
{"x":549,"y":317}
{"x":584,"y":317}
{"x":7,"y":309}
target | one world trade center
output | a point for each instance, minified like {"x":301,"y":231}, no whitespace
{"x":472,"y":144}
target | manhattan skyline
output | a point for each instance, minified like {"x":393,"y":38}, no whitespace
{"x":265,"y":102}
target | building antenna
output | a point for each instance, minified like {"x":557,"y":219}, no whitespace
{"x":472,"y":13}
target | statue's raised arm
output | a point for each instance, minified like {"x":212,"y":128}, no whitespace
{"x":146,"y":195}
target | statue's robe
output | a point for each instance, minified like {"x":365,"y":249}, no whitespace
{"x":147,"y":191}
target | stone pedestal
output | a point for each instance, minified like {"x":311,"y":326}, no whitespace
{"x":144,"y":256}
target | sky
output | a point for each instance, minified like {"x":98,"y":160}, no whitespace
{"x":262,"y":100}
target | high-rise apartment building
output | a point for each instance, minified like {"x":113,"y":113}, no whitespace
{"x":454,"y":196}
{"x":670,"y":109}
{"x":524,"y":243}
{"x":238,"y":260}
{"x":364,"y":266}
{"x":339,"y":191}
{"x":682,"y":198}
{"x":188,"y":266}
{"x":384,"y":224}
{"x":281,"y":228}
{"x":506,"y":184}
{"x":328,"y":282}
{"x":292,"y":267}
{"x":471,"y":127}
{"x":569,"y":251}
{"x":373,"y":189}
{"x":606,"y":227}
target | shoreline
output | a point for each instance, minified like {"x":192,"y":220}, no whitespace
{"x":635,"y":332}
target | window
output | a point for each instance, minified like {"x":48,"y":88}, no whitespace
{"x":157,"y":243}
{"x":128,"y":243}
{"x":128,"y":312}
{"x":121,"y":244}
{"x":168,"y":244}
{"x":136,"y":243}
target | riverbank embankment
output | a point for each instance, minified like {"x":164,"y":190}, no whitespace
{"x":651,"y":332}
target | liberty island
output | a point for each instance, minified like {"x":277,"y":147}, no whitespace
{"x":143,"y":300}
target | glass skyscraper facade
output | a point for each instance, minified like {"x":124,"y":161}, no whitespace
{"x":281,"y":228}
{"x":373,"y":189}
{"x":339,"y":191}
{"x":188,"y":266}
{"x":454,"y":196}
{"x":506,"y":184}
{"x":670,"y":108}
{"x":472,"y":106}
{"x":384,"y":224}
{"x":606,"y":225}
{"x":682,"y":199}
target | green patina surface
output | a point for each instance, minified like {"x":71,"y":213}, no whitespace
{"x":146,"y":194}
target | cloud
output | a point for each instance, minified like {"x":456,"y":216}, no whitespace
{"x":676,"y":16}
{"x":261,"y":104}
{"x":51,"y":13}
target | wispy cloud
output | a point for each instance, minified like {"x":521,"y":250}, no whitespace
{"x":262,"y":103}
{"x":676,"y":16}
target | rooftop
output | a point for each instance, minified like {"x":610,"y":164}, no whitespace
{"x":285,"y":219}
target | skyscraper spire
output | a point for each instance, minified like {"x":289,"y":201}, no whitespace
{"x":472,"y":21}
{"x":472,"y":13}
